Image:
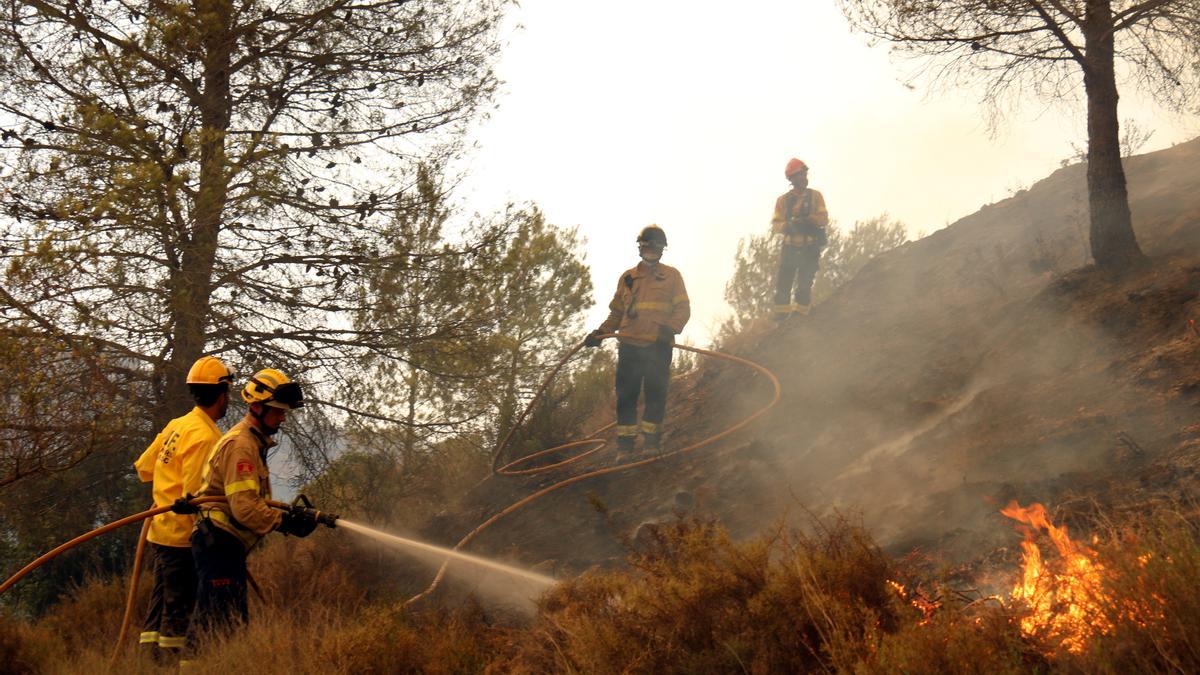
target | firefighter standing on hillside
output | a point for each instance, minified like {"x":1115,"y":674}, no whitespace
{"x":648,"y":310}
{"x":801,"y":217}
{"x":173,"y":463}
{"x":237,"y":469}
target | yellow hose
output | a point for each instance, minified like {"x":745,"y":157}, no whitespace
{"x":508,"y":471}
{"x":132,"y":595}
{"x":104,"y":529}
{"x":137,"y":559}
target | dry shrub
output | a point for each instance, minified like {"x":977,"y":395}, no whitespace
{"x":20,"y":648}
{"x":1148,"y":621}
{"x":701,"y":603}
{"x":80,"y":632}
{"x":438,"y":641}
{"x":982,"y":639}
{"x":89,"y":615}
{"x":1150,"y":597}
{"x":694,"y":602}
{"x":316,"y":570}
{"x":320,"y":640}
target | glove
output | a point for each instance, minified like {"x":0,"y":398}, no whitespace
{"x":592,"y":339}
{"x":666,"y":336}
{"x":183,"y":507}
{"x":818,"y":234}
{"x":297,"y":522}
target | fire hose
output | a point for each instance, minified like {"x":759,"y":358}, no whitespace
{"x":508,"y":470}
{"x":301,"y":503}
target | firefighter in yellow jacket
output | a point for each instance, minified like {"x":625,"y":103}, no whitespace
{"x":801,"y":218}
{"x":237,"y":469}
{"x":173,"y":463}
{"x":648,"y":310}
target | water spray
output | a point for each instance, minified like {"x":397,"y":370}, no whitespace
{"x":449,"y":554}
{"x":302,"y":506}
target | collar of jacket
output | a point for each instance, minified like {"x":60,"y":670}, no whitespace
{"x":205,"y":419}
{"x":263,"y":437}
{"x":643,"y":270}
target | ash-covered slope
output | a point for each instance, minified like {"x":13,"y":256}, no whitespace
{"x":982,"y":363}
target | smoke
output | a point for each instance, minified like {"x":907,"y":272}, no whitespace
{"x":974,"y":366}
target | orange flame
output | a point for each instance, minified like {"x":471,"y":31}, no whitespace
{"x":927,"y":606}
{"x":1063,"y":598}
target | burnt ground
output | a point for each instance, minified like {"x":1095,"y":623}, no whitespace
{"x":980,"y":364}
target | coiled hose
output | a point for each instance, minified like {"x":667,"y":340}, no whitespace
{"x":508,"y":470}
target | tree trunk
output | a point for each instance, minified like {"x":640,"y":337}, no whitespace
{"x":409,"y":453}
{"x":1114,"y":246}
{"x":191,"y":284}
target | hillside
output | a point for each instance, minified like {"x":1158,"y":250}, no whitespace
{"x":980,"y":364}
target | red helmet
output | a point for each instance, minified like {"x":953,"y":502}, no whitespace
{"x":794,"y":166}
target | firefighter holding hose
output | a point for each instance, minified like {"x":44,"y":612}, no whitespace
{"x":648,"y":310}
{"x":173,"y":464}
{"x":237,"y":469}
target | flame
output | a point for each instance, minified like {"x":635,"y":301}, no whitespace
{"x":1065,"y":597}
{"x":924,"y":604}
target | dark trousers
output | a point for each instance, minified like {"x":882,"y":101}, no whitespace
{"x":638,"y":367}
{"x":171,"y":600}
{"x":797,"y":268}
{"x":222,"y":580}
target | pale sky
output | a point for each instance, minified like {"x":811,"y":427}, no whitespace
{"x":620,"y":114}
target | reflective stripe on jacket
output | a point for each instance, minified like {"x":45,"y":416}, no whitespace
{"x":174,"y":462}
{"x":237,"y":469}
{"x":646,"y":298}
{"x":808,"y":206}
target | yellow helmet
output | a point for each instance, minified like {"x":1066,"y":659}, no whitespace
{"x":271,"y":387}
{"x":209,"y":370}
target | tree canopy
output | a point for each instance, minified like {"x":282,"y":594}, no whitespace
{"x":223,"y":177}
{"x":1049,"y":48}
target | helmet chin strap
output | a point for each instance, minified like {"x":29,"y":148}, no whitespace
{"x":262,"y":422}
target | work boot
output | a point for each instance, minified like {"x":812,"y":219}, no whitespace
{"x":625,"y":448}
{"x":652,"y":443}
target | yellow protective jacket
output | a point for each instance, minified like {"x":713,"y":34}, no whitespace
{"x":174,"y":462}
{"x":804,"y":206}
{"x":237,"y":469}
{"x":648,"y":297}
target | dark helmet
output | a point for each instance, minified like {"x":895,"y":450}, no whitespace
{"x":653,"y":234}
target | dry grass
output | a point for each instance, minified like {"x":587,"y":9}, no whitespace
{"x":1151,"y":597}
{"x":694,"y":601}
{"x":700,"y":603}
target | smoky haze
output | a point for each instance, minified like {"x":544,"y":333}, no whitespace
{"x":976,"y":365}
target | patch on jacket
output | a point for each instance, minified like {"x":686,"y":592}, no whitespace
{"x":244,"y":466}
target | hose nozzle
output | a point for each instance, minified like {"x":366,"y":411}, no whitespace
{"x":304,"y":505}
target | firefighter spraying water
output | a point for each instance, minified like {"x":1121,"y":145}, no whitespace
{"x":234,"y":509}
